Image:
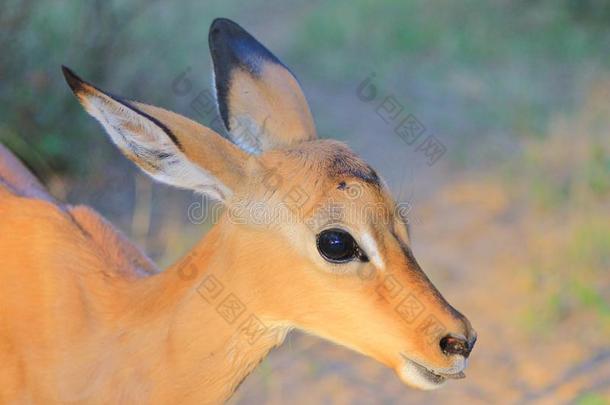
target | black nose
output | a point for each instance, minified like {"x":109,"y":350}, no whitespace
{"x":457,"y":345}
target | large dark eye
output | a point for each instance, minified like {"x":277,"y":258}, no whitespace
{"x":338,"y":246}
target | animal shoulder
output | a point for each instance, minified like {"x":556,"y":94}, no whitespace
{"x":26,"y":205}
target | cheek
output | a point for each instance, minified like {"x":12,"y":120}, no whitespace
{"x":301,"y":241}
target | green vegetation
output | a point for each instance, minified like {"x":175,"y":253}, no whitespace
{"x":563,"y":181}
{"x":592,"y":399}
{"x":497,"y":67}
{"x":503,"y":67}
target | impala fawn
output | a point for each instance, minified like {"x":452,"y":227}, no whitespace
{"x":86,"y":317}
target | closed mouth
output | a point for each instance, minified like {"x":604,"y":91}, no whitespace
{"x":431,"y":376}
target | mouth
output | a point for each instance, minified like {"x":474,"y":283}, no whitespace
{"x":422,"y":377}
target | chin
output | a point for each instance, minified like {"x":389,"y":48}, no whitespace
{"x":423,"y":378}
{"x":417,"y":376}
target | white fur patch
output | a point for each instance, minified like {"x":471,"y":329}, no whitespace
{"x":411,"y":375}
{"x":152,"y":148}
{"x":244,"y":132}
{"x":370,"y":247}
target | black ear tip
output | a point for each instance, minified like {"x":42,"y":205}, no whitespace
{"x":222,"y":24}
{"x":224,"y":29}
{"x":75,"y":82}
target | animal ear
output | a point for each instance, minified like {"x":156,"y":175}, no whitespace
{"x":260,"y":101}
{"x":169,"y":147}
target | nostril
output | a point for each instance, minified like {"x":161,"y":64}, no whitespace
{"x":451,"y":345}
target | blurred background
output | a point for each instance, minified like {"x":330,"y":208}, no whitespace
{"x":511,"y":221}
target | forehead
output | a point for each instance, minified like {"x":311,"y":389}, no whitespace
{"x":326,"y":183}
{"x":325,"y":177}
{"x":345,"y":164}
{"x":335,"y":161}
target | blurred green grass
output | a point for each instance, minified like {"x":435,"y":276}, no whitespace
{"x":563,"y":181}
{"x":498,"y":66}
{"x":592,"y":399}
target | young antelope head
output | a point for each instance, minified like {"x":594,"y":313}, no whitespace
{"x":315,"y":235}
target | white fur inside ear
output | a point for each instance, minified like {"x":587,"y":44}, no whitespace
{"x":242,"y":131}
{"x":246,"y":134}
{"x":150,"y":147}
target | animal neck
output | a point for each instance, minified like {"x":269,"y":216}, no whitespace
{"x":210,"y":328}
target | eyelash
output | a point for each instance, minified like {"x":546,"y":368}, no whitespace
{"x":360,"y":255}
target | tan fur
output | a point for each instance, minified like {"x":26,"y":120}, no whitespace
{"x":275,"y":103}
{"x":203,"y":146}
{"x":86,"y":318}
{"x":82,"y":324}
{"x":112,"y":243}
